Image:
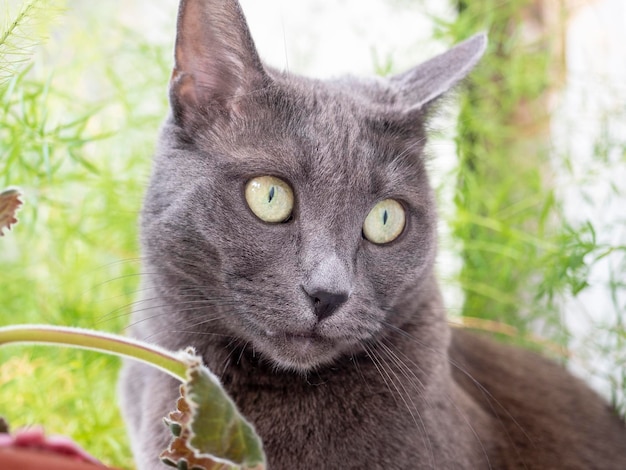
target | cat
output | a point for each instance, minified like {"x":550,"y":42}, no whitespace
{"x":288,"y":234}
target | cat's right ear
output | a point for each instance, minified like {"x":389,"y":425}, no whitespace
{"x":422,"y":85}
{"x":216,"y":63}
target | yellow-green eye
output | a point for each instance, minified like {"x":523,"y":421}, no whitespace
{"x":270,"y":198}
{"x":385,"y":222}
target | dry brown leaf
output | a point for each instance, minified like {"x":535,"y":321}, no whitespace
{"x":10,"y":202}
{"x":178,"y":450}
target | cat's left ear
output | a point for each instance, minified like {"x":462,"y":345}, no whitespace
{"x":216,"y":62}
{"x":422,"y":85}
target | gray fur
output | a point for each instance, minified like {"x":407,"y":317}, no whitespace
{"x":383,"y":382}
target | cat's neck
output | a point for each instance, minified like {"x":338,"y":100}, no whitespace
{"x":403,"y":379}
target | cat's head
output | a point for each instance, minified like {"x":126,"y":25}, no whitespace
{"x":288,"y":215}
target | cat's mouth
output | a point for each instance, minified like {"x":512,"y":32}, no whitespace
{"x":297,"y":335}
{"x":301,"y":350}
{"x":303,"y":339}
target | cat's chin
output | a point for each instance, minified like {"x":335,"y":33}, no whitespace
{"x":300,"y":352}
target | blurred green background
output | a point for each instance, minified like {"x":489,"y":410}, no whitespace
{"x":79,"y":115}
{"x":82,"y":95}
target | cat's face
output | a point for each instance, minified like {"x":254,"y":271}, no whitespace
{"x":289,"y":215}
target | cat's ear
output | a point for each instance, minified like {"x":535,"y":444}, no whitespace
{"x":422,"y":85}
{"x":216,"y":63}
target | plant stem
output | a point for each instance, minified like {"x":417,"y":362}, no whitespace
{"x":174,"y":364}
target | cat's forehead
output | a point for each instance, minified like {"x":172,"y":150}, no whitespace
{"x":318,"y":133}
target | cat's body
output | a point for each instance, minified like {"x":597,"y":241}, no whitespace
{"x":325,"y":325}
{"x":500,"y":408}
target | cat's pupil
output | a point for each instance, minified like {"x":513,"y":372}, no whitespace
{"x":385,"y":217}
{"x":271,"y":195}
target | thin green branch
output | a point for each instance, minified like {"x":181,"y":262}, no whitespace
{"x":20,"y":35}
{"x":174,"y":364}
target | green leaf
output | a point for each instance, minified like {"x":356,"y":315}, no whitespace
{"x":209,"y":431}
{"x":217,"y":427}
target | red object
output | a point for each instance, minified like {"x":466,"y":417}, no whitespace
{"x":25,"y":458}
{"x":30,"y":449}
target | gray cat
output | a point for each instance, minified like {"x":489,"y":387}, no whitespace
{"x":288,"y":233}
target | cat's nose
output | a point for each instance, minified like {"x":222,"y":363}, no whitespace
{"x":325,"y":303}
{"x":327,"y":284}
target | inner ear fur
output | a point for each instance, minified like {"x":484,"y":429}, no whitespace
{"x":216,"y":62}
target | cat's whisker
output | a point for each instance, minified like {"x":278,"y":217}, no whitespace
{"x":354,"y":360}
{"x":489,"y":398}
{"x":242,"y":351}
{"x":285,"y":49}
{"x":202,"y":322}
{"x":137,"y":322}
{"x":410,"y":149}
{"x":410,"y":374}
{"x":117,"y":262}
{"x":419,"y":385}
{"x":405,"y":397}
{"x":182,"y":327}
{"x":373,"y":357}
{"x":202,"y":306}
{"x":409,"y":396}
{"x":231,"y":348}
{"x":134,"y":305}
{"x":197,"y":333}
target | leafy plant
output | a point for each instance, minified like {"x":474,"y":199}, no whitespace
{"x":21,"y":33}
{"x":210,"y":433}
{"x":523,"y":257}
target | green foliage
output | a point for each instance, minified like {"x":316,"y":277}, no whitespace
{"x":77,"y":130}
{"x":21,"y":32}
{"x":522,"y":257}
{"x":504,"y":201}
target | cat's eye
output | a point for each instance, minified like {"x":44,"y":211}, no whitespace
{"x":385,"y":222}
{"x":269,"y":198}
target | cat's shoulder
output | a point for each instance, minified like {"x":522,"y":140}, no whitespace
{"x":544,"y":411}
